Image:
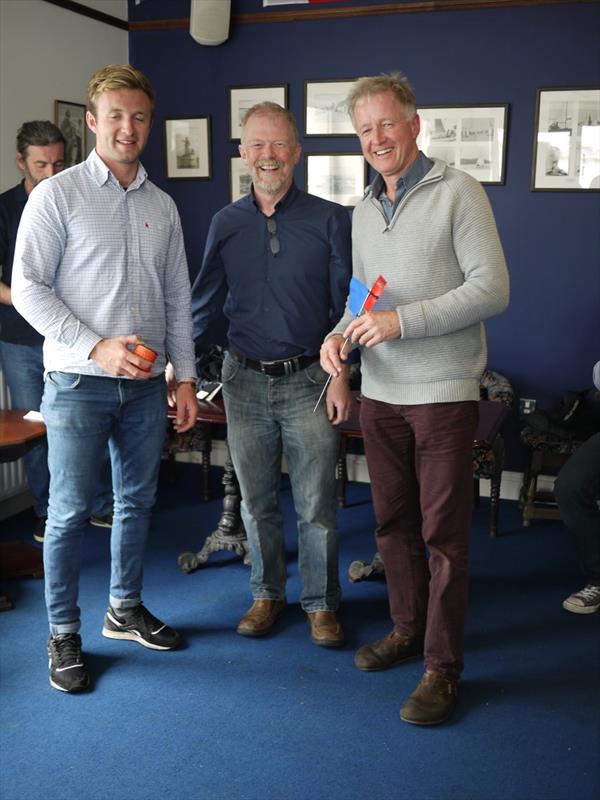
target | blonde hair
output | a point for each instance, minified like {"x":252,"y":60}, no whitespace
{"x":117,"y":76}
{"x":394,"y":82}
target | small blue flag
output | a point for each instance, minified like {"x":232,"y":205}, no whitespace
{"x":358,"y":295}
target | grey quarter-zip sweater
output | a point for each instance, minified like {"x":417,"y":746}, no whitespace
{"x":445,"y":270}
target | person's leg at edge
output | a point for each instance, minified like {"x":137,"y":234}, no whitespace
{"x":23,"y":367}
{"x":577,"y":490}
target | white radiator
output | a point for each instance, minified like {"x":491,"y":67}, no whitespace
{"x":12,"y":476}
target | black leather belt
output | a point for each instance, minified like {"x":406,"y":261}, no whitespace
{"x":274,"y":369}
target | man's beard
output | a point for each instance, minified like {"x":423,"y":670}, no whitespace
{"x":268,"y":187}
{"x":33,"y":181}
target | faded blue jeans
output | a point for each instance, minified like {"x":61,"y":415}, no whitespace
{"x":23,"y":367}
{"x":82,"y":414}
{"x":268,"y":417}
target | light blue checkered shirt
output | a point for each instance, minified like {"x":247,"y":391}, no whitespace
{"x":93,"y":261}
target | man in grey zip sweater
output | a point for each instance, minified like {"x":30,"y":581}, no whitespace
{"x":428,"y":229}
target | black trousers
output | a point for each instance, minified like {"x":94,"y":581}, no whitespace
{"x":577,"y":491}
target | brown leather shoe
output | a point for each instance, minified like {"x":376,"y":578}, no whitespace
{"x":260,"y":617}
{"x":432,"y":701}
{"x":325,"y":630}
{"x":396,"y":648}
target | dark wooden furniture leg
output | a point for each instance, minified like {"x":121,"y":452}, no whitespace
{"x":230,"y":533}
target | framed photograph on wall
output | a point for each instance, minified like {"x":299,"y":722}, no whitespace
{"x":70,"y":118}
{"x":241,"y":98}
{"x":566,"y":140}
{"x":470,"y":138}
{"x":341,"y":177}
{"x":240,"y":178}
{"x":187,"y":147}
{"x":326,"y":108}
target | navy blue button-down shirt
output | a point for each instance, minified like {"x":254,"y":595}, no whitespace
{"x":283,"y":289}
{"x":13,"y":328}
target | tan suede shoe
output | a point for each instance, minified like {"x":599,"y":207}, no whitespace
{"x":325,"y":630}
{"x":394,"y":649}
{"x":432,"y":701}
{"x":260,"y":617}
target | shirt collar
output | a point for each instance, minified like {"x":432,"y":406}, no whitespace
{"x":102,"y":174}
{"x":417,"y":170}
{"x":285,"y":202}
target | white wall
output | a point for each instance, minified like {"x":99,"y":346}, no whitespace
{"x":48,"y":53}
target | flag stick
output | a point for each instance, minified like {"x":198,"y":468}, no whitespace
{"x":371,"y":298}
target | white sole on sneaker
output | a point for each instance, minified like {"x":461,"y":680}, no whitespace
{"x":54,"y":685}
{"x":132,"y":637}
{"x":574,"y":609}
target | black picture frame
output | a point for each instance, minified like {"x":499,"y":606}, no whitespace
{"x":188,"y":148}
{"x":339,"y":177}
{"x":325,"y":107}
{"x":472,"y":138}
{"x":241,"y":98}
{"x":70,"y":118}
{"x":240,"y":178}
{"x":566,"y":140}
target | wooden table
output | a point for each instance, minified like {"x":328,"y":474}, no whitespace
{"x":17,"y":437}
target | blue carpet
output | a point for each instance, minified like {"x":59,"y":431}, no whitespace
{"x":231,"y":718}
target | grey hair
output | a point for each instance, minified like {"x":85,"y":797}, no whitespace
{"x":269,"y":109}
{"x":38,"y":133}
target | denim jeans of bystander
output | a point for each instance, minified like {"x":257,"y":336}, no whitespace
{"x":23,"y":367}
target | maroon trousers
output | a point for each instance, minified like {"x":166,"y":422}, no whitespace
{"x":421,"y":469}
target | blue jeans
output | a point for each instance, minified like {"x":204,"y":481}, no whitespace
{"x":265,"y":418}
{"x":23,"y":367}
{"x":83,"y":413}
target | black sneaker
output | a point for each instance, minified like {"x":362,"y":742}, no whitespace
{"x":67,"y":671}
{"x":40,"y":529}
{"x":139,"y":625}
{"x":104,"y":521}
{"x":586,"y":601}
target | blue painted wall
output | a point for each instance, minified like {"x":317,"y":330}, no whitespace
{"x":549,"y":338}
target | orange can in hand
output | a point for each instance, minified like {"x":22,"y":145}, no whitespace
{"x":144,"y":352}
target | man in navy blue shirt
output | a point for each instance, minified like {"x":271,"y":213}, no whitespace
{"x":277,"y":263}
{"x":40,"y":155}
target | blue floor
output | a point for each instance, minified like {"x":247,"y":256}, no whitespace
{"x":231,"y":718}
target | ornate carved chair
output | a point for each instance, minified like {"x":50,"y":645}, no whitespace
{"x":488,"y":457}
{"x":547,"y":453}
